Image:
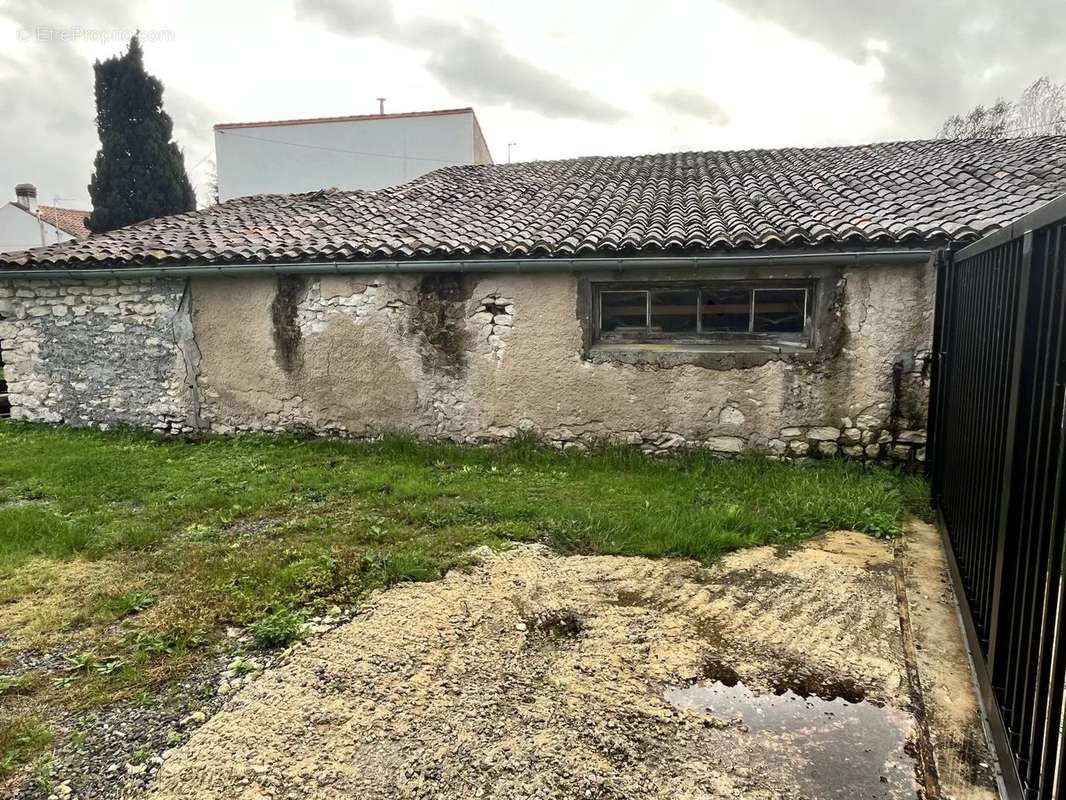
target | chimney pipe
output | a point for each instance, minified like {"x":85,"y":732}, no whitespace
{"x":26,"y":196}
{"x":381,"y":105}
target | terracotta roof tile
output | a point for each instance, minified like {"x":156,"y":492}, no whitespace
{"x":68,"y":220}
{"x":898,"y":193}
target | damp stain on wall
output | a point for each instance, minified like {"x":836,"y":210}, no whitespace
{"x":286,"y":330}
{"x":438,"y":318}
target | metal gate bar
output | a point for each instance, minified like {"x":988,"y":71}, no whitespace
{"x":998,"y":472}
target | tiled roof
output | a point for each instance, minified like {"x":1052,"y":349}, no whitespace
{"x":880,"y":195}
{"x":69,"y":220}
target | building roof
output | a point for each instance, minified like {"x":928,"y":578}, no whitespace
{"x":911,"y":194}
{"x":356,"y":118}
{"x":68,"y":220}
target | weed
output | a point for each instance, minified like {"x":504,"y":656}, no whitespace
{"x":149,"y":644}
{"x":20,"y":740}
{"x":81,"y":662}
{"x":916,"y":500}
{"x":125,"y":604}
{"x":387,"y":568}
{"x":279,"y":629}
{"x":245,"y":666}
{"x":109,"y":666}
{"x":12,"y":685}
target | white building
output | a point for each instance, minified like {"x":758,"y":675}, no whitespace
{"x":362,"y":152}
{"x":24,"y":224}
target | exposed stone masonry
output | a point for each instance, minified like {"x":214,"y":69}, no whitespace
{"x":862,"y":439}
{"x":314,"y":310}
{"x":495,"y":318}
{"x":98,"y":352}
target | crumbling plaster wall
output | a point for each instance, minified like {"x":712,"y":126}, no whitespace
{"x":338,"y":366}
{"x":466,"y":357}
{"x":476,"y":358}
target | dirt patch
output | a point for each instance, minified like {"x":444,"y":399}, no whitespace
{"x":113,"y":752}
{"x":542,"y":676}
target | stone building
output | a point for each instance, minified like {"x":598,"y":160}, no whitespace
{"x":777,"y":302}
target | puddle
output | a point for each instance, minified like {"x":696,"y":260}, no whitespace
{"x":845,"y":749}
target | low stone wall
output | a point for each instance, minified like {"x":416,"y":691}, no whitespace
{"x":463,"y":358}
{"x":864,"y":438}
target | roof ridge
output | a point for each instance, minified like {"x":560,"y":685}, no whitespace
{"x":754,"y":150}
{"x":64,"y":208}
{"x":349,"y":118}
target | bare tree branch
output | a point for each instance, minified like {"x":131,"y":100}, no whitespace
{"x":1040,"y":111}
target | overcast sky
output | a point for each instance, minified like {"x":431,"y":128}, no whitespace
{"x":559,"y":78}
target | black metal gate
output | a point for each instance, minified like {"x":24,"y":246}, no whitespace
{"x":996,"y":438}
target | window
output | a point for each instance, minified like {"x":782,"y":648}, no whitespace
{"x":757,"y":313}
{"x":624,"y":311}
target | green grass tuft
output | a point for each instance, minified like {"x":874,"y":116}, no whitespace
{"x":916,"y":499}
{"x":275,"y":630}
{"x":21,"y":740}
{"x":13,"y":685}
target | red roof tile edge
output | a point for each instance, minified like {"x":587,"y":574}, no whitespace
{"x":354,"y":118}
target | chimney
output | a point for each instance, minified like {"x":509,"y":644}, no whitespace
{"x":381,"y":106}
{"x":26,"y":196}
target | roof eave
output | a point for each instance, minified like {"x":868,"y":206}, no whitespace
{"x":881,"y":257}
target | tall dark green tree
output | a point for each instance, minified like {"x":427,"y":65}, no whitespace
{"x":139,"y":172}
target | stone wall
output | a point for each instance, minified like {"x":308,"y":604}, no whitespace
{"x":101,"y":352}
{"x":469,"y":358}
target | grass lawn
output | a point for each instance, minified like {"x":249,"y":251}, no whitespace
{"x":126,"y":556}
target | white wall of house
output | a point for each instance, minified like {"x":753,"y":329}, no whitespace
{"x":21,"y":230}
{"x":352,"y":153}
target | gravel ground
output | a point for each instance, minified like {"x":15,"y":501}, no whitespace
{"x":106,"y":752}
{"x":116,"y":751}
{"x":537,"y":676}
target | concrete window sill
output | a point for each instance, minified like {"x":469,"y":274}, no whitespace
{"x":711,"y":356}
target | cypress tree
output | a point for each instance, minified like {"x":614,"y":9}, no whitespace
{"x":139,"y":172}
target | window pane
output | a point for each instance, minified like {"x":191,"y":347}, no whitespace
{"x":726,"y":310}
{"x":623,"y":311}
{"x":674,"y":311}
{"x":780,"y":310}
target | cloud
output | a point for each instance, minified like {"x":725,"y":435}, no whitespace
{"x":469,"y":59}
{"x":68,"y":14}
{"x":354,"y":18}
{"x":193,"y":126}
{"x":691,"y":103}
{"x":48,"y":122}
{"x":938,"y":58}
{"x":47,"y":107}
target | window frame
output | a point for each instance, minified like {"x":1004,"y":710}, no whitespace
{"x":750,"y":338}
